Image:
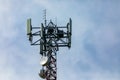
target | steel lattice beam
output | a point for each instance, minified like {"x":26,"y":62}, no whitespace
{"x":50,"y":38}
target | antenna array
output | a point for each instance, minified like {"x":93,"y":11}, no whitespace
{"x":51,"y":37}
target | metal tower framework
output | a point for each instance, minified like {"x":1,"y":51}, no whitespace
{"x":49,"y":37}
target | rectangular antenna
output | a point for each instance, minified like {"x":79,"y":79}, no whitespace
{"x":70,"y":26}
{"x":29,"y":27}
{"x":69,"y":32}
{"x":42,"y":27}
{"x":45,"y":17}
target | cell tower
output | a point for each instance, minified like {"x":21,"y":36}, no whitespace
{"x":49,"y":37}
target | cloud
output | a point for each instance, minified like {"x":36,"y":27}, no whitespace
{"x":6,"y":21}
{"x":94,"y":54}
{"x":14,"y":59}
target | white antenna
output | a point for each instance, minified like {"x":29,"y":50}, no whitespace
{"x":56,"y":21}
{"x":45,"y":17}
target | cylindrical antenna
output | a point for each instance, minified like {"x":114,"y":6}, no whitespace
{"x":56,"y":21}
{"x":45,"y":17}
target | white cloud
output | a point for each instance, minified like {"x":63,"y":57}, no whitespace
{"x":7,"y":21}
{"x":16,"y":59}
{"x":14,"y":62}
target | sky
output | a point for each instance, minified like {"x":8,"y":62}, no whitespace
{"x":95,"y":51}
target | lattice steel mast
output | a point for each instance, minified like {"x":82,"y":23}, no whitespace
{"x":51,"y":37}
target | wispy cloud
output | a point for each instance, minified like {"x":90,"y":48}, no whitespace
{"x":95,"y":40}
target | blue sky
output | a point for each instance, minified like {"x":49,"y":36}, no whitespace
{"x":95,"y":51}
